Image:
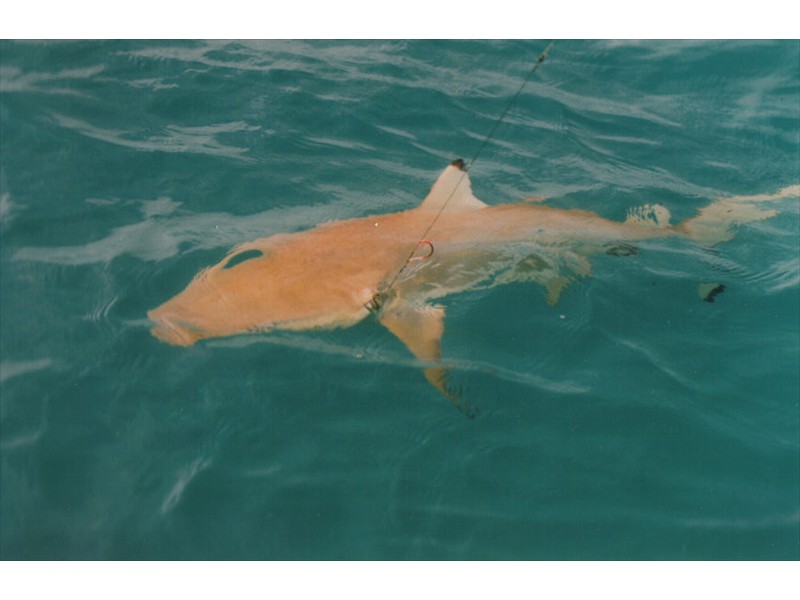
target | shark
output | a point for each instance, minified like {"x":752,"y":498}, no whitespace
{"x":397,"y":268}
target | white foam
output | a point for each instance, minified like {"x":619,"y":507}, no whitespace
{"x":185,"y":477}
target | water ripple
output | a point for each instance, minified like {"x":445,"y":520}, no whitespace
{"x":778,"y":277}
{"x":184,"y":478}
{"x":12,"y":368}
{"x":174,"y":138}
{"x":162,"y":234}
{"x":12,"y":80}
{"x":380,"y":352}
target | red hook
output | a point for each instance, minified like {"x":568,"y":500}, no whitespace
{"x":427,"y":243}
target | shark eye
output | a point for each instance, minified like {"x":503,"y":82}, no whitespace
{"x":238,"y":259}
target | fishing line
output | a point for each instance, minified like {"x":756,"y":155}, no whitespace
{"x":376,"y":301}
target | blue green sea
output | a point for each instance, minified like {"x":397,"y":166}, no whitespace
{"x":631,"y":421}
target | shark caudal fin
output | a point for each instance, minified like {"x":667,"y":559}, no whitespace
{"x":715,"y":223}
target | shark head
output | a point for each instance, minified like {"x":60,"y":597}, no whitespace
{"x":260,"y":286}
{"x":220,"y":300}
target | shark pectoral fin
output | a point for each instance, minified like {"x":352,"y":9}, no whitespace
{"x":420,"y":328}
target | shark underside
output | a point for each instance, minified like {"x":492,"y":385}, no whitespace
{"x":396,"y":265}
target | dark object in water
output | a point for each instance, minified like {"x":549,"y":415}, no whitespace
{"x":622,"y":250}
{"x":708,"y":291}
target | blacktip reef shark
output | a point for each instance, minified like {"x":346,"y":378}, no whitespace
{"x":341,"y":272}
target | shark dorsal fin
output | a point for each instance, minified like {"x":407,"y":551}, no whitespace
{"x":452,"y":187}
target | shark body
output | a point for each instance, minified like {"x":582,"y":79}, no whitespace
{"x":397,"y":265}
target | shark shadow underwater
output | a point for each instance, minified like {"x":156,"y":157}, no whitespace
{"x":309,"y":279}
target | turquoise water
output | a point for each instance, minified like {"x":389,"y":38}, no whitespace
{"x":631,"y":421}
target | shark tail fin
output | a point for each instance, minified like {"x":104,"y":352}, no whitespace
{"x":716,"y":222}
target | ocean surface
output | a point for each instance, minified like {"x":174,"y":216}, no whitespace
{"x":631,"y":421}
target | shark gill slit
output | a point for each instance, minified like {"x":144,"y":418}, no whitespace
{"x":376,"y":302}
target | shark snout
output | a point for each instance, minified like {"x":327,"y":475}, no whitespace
{"x":172,"y":331}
